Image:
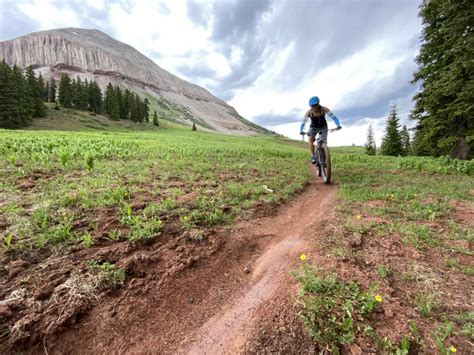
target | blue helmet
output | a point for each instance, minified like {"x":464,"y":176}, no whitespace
{"x":313,"y":101}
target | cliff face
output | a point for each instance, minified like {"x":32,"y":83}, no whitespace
{"x":93,"y":55}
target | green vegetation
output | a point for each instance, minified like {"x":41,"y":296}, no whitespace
{"x":444,"y":106}
{"x":21,"y":96}
{"x":392,"y":141}
{"x":333,"y":308}
{"x":404,"y":213}
{"x":60,"y":187}
{"x":370,"y":146}
{"x":108,"y":275}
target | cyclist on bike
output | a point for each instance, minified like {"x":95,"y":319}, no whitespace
{"x":317,"y":114}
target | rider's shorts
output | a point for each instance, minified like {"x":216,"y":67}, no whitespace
{"x":315,"y":130}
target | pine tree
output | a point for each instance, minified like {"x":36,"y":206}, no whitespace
{"x":8,"y":102}
{"x":35,"y":91}
{"x":52,"y":90}
{"x":125,"y":109}
{"x":111,"y":103}
{"x":25,"y":108}
{"x":65,"y":91}
{"x":370,"y":147}
{"x":406,"y":144}
{"x":444,"y":108}
{"x":95,"y":97}
{"x":146,"y":110}
{"x":155,"y":119}
{"x":392,"y":142}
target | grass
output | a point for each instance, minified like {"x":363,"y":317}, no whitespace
{"x":333,"y":309}
{"x":60,"y":187}
{"x":405,"y":213}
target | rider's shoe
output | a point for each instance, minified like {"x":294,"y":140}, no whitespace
{"x":313,"y":159}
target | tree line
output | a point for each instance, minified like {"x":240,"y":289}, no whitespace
{"x":23,"y":94}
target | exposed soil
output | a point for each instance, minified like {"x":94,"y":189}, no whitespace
{"x":181,"y":295}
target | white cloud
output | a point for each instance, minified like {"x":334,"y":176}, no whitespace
{"x":48,"y":14}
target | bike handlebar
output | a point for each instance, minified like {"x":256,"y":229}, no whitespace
{"x":326,"y":130}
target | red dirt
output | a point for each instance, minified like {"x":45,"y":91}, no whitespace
{"x":182,"y":295}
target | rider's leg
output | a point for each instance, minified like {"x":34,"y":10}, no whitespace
{"x":324,"y":134}
{"x":311,"y":145}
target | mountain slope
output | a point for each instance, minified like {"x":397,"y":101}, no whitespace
{"x":93,"y":55}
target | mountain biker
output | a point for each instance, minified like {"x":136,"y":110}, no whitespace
{"x":317,"y":114}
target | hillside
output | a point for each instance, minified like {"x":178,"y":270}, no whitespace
{"x":93,"y":55}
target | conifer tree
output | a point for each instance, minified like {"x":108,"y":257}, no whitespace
{"x":444,"y":107}
{"x":392,"y":142}
{"x":35,"y":91}
{"x":125,"y":109}
{"x":25,"y":105}
{"x":95,"y":97}
{"x":146,"y":110}
{"x":405,"y":137}
{"x":65,"y":91}
{"x":52,"y":90}
{"x":155,"y":119}
{"x":370,"y":147}
{"x":8,"y":101}
{"x":111,"y":102}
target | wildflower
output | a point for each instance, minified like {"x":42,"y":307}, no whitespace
{"x":302,"y":257}
{"x":452,"y":349}
{"x":378,"y":298}
{"x":359,"y":216}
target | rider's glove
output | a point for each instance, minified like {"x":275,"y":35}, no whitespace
{"x":339,"y":127}
{"x":302,"y":133}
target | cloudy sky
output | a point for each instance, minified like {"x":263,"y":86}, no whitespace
{"x":265,"y":57}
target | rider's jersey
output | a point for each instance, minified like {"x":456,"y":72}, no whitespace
{"x":317,"y":116}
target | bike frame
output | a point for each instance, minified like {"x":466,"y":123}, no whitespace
{"x":323,"y":166}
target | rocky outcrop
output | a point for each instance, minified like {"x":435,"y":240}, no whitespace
{"x":93,"y":55}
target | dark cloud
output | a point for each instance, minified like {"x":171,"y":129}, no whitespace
{"x":268,"y":120}
{"x":198,"y":71}
{"x":196,"y":12}
{"x":237,"y":24}
{"x":375,"y":99}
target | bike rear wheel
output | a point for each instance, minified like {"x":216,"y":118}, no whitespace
{"x":325,"y":163}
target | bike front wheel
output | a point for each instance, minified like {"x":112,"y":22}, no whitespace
{"x":325,"y":163}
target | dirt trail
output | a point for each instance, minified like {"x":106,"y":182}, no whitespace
{"x":212,"y":305}
{"x":291,"y":230}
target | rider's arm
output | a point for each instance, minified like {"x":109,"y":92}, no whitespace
{"x":303,"y":123}
{"x":333,"y":116}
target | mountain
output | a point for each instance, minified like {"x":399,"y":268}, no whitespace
{"x":93,"y":55}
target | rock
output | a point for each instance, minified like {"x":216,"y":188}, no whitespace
{"x":15,"y":267}
{"x":247,"y":270}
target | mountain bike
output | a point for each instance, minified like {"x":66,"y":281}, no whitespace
{"x":323,"y":159}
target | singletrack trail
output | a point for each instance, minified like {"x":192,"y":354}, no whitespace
{"x":292,"y":231}
{"x":213,"y":305}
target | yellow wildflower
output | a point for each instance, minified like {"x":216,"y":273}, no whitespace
{"x":359,"y":216}
{"x":302,"y":257}
{"x":378,"y":298}
{"x":452,"y":349}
